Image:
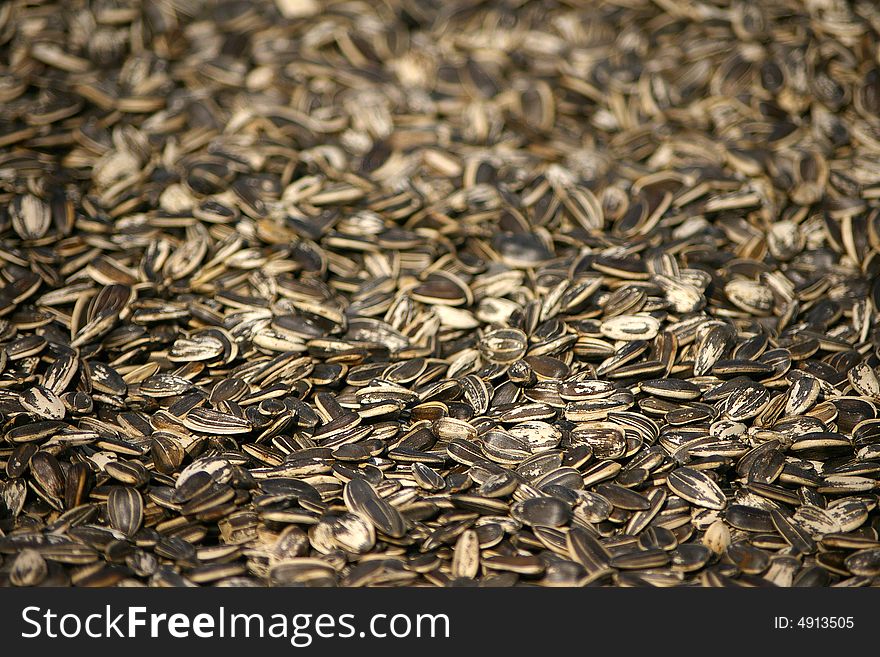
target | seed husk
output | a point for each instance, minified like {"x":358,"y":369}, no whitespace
{"x":125,"y":509}
{"x":696,"y":487}
{"x":361,"y":498}
{"x":630,"y":327}
{"x":379,"y":309}
{"x":466,"y":555}
{"x":42,"y":402}
{"x":545,"y":511}
{"x":794,"y":535}
{"x":864,"y":562}
{"x":28,"y":569}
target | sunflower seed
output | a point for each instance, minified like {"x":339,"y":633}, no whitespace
{"x":696,"y":487}
{"x":125,"y":509}
{"x":28,"y":569}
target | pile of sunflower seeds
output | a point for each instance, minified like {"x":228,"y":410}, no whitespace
{"x":400,"y":292}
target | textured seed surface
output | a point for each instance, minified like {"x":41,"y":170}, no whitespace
{"x":300,"y":293}
{"x":125,"y":509}
{"x":466,"y":555}
{"x":28,"y":568}
{"x":696,"y":487}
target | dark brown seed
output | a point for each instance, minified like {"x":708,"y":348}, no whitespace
{"x":749,"y":518}
{"x":794,"y":535}
{"x":623,"y":498}
{"x":864,"y":562}
{"x":47,"y":473}
{"x":696,"y":487}
{"x":125,"y":509}
{"x":641,"y":559}
{"x":546,"y":511}
{"x":361,"y":498}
